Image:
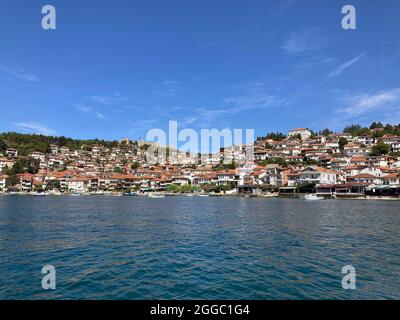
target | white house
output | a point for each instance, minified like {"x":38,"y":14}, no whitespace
{"x":377,"y":172}
{"x":5,"y":163}
{"x":392,"y":179}
{"x":226,"y":177}
{"x":317,"y":175}
{"x":38,"y":156}
{"x":77,"y":184}
{"x":11,"y":152}
{"x":367,"y":140}
{"x":3,"y":179}
{"x":303,"y":132}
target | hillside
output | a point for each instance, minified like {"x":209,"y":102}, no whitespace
{"x":27,"y":143}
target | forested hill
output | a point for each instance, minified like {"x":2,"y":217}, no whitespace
{"x":27,"y":143}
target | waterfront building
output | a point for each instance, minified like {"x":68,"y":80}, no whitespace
{"x":317,"y":175}
{"x":3,"y":179}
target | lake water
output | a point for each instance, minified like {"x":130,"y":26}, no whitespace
{"x":198,"y":248}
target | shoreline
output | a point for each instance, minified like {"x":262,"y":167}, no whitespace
{"x":149,"y":195}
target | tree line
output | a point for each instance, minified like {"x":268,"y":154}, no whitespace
{"x":28,"y":143}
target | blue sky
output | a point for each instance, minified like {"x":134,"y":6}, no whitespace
{"x":115,"y":69}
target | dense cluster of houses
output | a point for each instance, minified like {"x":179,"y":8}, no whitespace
{"x":298,"y":161}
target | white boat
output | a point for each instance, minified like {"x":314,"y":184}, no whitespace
{"x":130,"y":194}
{"x":39,"y":194}
{"x":156,"y":195}
{"x":203,"y":195}
{"x":54,"y":193}
{"x":312,"y":197}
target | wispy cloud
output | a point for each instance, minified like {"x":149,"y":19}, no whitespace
{"x":252,"y":95}
{"x":364,"y":103}
{"x":35,"y":127}
{"x":342,"y":67}
{"x":188,"y":121}
{"x":167,"y":88}
{"x":304,"y":42}
{"x":109,"y":99}
{"x":141,"y":126}
{"x":19,"y":73}
{"x":89,"y":111}
{"x":285,"y":5}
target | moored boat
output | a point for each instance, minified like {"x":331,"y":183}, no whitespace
{"x":39,"y":194}
{"x":156,"y":195}
{"x":130,"y":194}
{"x":312,"y":197}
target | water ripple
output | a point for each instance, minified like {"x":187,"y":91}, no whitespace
{"x":198,"y":248}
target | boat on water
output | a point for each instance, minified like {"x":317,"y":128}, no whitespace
{"x":75,"y":194}
{"x":54,"y":193}
{"x":312,"y":197}
{"x":156,"y":195}
{"x":203,"y":195}
{"x":39,"y":194}
{"x":270,"y":195}
{"x":130,"y":194}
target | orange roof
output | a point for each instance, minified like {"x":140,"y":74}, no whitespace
{"x":392,"y":176}
{"x":25,"y":176}
{"x":363,"y":176}
{"x":38,"y":183}
{"x":358,"y":159}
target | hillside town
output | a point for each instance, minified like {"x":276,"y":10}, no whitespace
{"x":360,"y":164}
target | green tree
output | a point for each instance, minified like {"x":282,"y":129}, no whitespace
{"x":342,"y":143}
{"x":356,"y":130}
{"x":225,"y":166}
{"x":12,"y":180}
{"x":118,"y":170}
{"x":23,"y":165}
{"x":278,"y":161}
{"x":325,"y":132}
{"x":135,"y":165}
{"x":276,"y":136}
{"x":388,"y":129}
{"x":3,"y":145}
{"x":376,"y":125}
{"x":145,"y":147}
{"x":380,"y":149}
{"x":54,"y":184}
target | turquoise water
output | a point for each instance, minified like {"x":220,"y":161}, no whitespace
{"x":198,"y":248}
